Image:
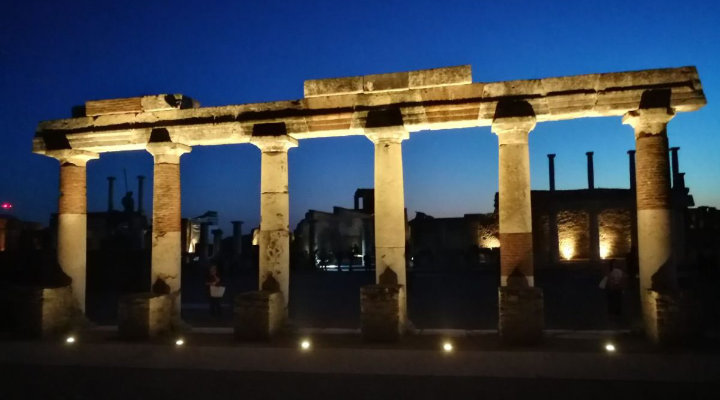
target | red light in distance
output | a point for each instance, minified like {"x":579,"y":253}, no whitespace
{"x":6,"y":205}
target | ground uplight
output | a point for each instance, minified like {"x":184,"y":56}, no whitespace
{"x":447,"y":347}
{"x":305,"y":344}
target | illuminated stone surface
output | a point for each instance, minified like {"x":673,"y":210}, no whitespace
{"x":386,"y":108}
{"x":72,"y":218}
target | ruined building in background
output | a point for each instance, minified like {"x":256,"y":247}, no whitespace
{"x":344,"y":237}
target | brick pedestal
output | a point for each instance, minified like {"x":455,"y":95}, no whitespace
{"x":381,"y":309}
{"x":670,"y":318}
{"x":259,"y":315}
{"x":144,"y":315}
{"x":37,"y":312}
{"x":521,"y":315}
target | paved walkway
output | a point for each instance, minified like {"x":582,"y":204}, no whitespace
{"x":98,"y":366}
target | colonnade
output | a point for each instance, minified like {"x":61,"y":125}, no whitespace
{"x":657,"y":267}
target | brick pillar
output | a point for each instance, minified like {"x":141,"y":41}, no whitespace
{"x":166,"y":236}
{"x":654,"y":215}
{"x":384,"y":310}
{"x":72,"y":218}
{"x":521,"y":313}
{"x":274,"y":237}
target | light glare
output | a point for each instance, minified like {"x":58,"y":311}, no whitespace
{"x":70,"y":339}
{"x":179,"y":342}
{"x":447,"y":347}
{"x":610,"y":348}
{"x":305,"y":344}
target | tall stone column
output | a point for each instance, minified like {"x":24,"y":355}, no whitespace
{"x":237,"y":237}
{"x":72,"y":218}
{"x":261,"y":314}
{"x":166,"y":221}
{"x":658,"y":279}
{"x":521,"y":305}
{"x":274,"y":238}
{"x":384,"y":306}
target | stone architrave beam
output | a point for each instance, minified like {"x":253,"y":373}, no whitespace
{"x":444,"y":98}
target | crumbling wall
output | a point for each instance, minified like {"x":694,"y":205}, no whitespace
{"x":615,"y":226}
{"x":573,"y":234}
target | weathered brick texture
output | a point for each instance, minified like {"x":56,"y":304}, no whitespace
{"x":73,"y":189}
{"x":516,"y":254}
{"x":652,"y":172}
{"x":166,"y":198}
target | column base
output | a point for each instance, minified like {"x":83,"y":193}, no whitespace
{"x":382,"y":312}
{"x":40,"y":313}
{"x":259,"y":315}
{"x":670,"y":317}
{"x":144,"y":316}
{"x":521,"y":315}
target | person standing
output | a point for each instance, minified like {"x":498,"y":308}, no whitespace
{"x":215,"y":291}
{"x":614,"y":284}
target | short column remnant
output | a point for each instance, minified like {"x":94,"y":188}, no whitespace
{"x":72,"y":218}
{"x":259,"y":315}
{"x":41,"y":312}
{"x":520,"y":304}
{"x":262,"y":314}
{"x":384,"y":305}
{"x":144,"y":315}
{"x":658,"y":279}
{"x":166,"y":241}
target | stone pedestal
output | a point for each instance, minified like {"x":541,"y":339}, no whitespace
{"x":521,"y":319}
{"x":259,"y":315}
{"x":670,"y":318}
{"x":144,"y":315}
{"x":382,"y":312}
{"x":41,"y":312}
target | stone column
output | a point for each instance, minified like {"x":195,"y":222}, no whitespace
{"x":521,"y":305}
{"x":204,"y":242}
{"x":217,"y":241}
{"x":237,"y":237}
{"x":384,"y":306}
{"x":658,"y":280}
{"x":72,"y":218}
{"x":274,"y":237}
{"x":166,"y":236}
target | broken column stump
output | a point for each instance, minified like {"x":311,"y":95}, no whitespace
{"x":381,"y":309}
{"x":41,"y":312}
{"x":259,"y":315}
{"x":670,"y":317}
{"x":144,"y":316}
{"x":521,"y":315}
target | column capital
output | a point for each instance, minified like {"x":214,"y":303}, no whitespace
{"x":72,"y":156}
{"x":513,"y":129}
{"x":167,"y":152}
{"x":649,"y":121}
{"x":274,"y":144}
{"x":392,"y":134}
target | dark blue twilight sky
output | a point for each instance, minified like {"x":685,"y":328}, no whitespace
{"x":55,"y":54}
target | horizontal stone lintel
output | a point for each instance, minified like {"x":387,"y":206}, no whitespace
{"x":430,"y":108}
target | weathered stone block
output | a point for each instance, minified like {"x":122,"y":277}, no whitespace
{"x":259,"y":315}
{"x":381,"y":309}
{"x":521,"y":314}
{"x":670,"y":318}
{"x":144,"y":315}
{"x":38,"y":312}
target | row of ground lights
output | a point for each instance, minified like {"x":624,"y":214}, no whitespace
{"x":306,"y":344}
